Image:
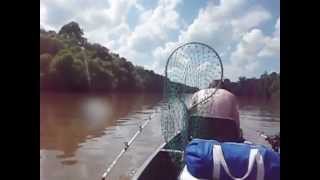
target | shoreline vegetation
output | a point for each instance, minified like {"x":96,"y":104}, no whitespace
{"x":69,"y":63}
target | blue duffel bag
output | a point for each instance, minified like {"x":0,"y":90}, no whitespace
{"x":209,"y":159}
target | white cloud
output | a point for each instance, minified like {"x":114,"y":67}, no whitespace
{"x":160,"y":55}
{"x":106,"y":22}
{"x":220,"y":23}
{"x":155,"y":25}
{"x":90,"y":15}
{"x":272,"y":47}
{"x":277,"y":26}
{"x":255,"y":44}
{"x":109,"y":37}
{"x":221,"y":26}
{"x":253,"y":48}
{"x":248,"y":48}
{"x":250,"y":20}
{"x":43,"y":17}
{"x":109,"y":18}
{"x":232,"y":27}
{"x":151,"y":32}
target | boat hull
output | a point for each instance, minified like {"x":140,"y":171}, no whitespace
{"x":162,"y":164}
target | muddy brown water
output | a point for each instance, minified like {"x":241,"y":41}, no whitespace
{"x":81,"y":134}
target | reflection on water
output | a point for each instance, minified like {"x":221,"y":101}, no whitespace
{"x":81,"y":134}
{"x":78,"y":132}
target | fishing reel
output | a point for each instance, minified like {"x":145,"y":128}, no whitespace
{"x":273,"y":140}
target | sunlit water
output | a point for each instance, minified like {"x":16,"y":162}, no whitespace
{"x":80,"y":134}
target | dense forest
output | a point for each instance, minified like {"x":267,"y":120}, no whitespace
{"x":267,"y":86}
{"x":69,"y":63}
{"x":66,"y":58}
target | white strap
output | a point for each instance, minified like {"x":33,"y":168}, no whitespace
{"x":260,"y":167}
{"x":218,"y":160}
{"x":185,"y":175}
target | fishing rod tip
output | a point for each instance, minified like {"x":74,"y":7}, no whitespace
{"x":104,"y":176}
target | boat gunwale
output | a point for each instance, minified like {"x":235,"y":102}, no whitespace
{"x":147,"y":162}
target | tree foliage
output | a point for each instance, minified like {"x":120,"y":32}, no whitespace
{"x":69,"y":63}
{"x":267,"y":86}
{"x":73,"y":31}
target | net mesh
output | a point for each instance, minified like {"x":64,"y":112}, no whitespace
{"x":190,"y":67}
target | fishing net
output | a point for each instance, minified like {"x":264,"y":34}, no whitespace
{"x":190,"y":67}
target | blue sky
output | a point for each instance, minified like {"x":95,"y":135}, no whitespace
{"x":246,"y":33}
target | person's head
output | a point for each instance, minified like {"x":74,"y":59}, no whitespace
{"x":216,"y":118}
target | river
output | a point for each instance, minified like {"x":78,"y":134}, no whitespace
{"x":81,"y":134}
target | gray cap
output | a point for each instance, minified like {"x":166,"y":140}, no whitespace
{"x":222,"y":104}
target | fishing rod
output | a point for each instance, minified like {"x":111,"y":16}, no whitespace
{"x":126,"y":146}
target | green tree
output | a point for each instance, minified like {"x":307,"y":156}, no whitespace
{"x":69,"y":63}
{"x":45,"y":60}
{"x":68,"y":73}
{"x":102,"y":76}
{"x":49,"y":45}
{"x":73,"y":31}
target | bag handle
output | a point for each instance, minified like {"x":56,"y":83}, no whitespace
{"x":219,"y":160}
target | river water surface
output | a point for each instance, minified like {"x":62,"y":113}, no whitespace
{"x":81,"y":134}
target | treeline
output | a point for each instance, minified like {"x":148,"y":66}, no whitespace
{"x":267,"y":86}
{"x":68,"y":62}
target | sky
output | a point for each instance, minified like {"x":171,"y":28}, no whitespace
{"x":245,"y":33}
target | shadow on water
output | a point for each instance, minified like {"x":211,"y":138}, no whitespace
{"x":68,"y":120}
